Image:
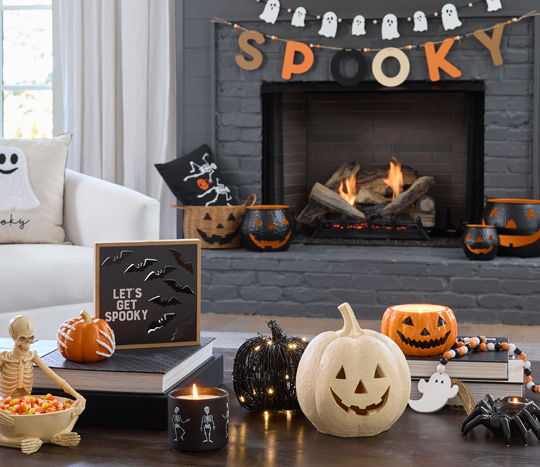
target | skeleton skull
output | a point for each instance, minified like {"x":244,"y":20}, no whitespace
{"x":21,"y":331}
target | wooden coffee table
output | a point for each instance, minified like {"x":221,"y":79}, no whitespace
{"x":282,"y":440}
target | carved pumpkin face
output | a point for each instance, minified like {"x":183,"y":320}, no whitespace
{"x":353,"y":382}
{"x":480,"y":242}
{"x":224,"y":233}
{"x":420,"y":329}
{"x":267,"y":228}
{"x":517,"y":222}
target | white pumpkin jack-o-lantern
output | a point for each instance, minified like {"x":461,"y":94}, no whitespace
{"x":352,"y":382}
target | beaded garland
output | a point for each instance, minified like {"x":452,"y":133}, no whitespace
{"x":464,"y":345}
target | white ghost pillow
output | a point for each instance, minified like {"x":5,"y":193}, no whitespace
{"x":450,"y":18}
{"x":299,"y":17}
{"x":420,"y":22}
{"x":359,"y":26}
{"x":329,"y":24}
{"x":32,"y":189}
{"x":389,"y":27}
{"x":271,"y":11}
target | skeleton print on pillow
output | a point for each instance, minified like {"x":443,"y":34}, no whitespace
{"x":195,"y":179}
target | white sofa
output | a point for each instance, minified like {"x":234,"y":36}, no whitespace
{"x":50,"y":283}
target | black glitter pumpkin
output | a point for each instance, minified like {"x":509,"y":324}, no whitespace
{"x":264,"y":371}
{"x":480,"y":242}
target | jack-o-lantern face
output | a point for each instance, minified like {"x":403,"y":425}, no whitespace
{"x":223,"y":233}
{"x":480,"y":242}
{"x":267,"y":228}
{"x":203,"y":184}
{"x":420,"y":329}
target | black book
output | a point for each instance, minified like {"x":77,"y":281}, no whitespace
{"x":122,"y":409}
{"x":152,"y":370}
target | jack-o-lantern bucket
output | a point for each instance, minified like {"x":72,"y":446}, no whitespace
{"x":517,"y":223}
{"x":480,"y":242}
{"x":215,"y":226}
{"x":267,"y":228}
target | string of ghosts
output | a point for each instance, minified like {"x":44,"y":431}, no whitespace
{"x":449,"y":16}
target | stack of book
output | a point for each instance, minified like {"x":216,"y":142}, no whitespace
{"x":117,"y":388}
{"x":495,"y":373}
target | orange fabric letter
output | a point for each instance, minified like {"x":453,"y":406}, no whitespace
{"x":289,"y":67}
{"x":493,"y":43}
{"x":437,"y":59}
{"x":255,"y":54}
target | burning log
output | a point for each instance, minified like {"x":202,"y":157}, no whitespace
{"x":425,"y":204}
{"x":329,"y":201}
{"x":346,"y":170}
{"x":418,"y":189}
{"x":367,"y":196}
{"x":373,"y":178}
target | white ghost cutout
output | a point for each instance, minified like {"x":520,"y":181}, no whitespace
{"x":420,"y":22}
{"x":328,"y":24}
{"x":16,"y":193}
{"x":359,"y":26}
{"x":450,"y":18}
{"x":271,"y":11}
{"x":390,"y":27}
{"x":436,"y":393}
{"x":299,"y":17}
{"x":494,"y":5}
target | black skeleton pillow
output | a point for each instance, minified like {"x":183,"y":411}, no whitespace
{"x":195,"y":179}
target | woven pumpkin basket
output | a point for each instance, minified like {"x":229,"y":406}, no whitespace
{"x":215,"y":226}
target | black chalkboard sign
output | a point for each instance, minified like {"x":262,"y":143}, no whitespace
{"x":149,"y":292}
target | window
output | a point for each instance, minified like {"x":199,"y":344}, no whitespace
{"x":27,"y":69}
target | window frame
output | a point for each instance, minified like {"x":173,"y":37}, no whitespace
{"x":23,"y":87}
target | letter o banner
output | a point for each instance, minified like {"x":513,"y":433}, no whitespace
{"x":335,"y":67}
{"x":404,"y":67}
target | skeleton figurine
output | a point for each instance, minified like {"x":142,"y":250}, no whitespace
{"x":219,"y":189}
{"x":16,"y":379}
{"x":177,"y":421}
{"x":204,"y":169}
{"x":207,"y":425}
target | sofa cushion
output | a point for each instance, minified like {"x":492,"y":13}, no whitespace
{"x":34,"y":276}
{"x":32,"y":189}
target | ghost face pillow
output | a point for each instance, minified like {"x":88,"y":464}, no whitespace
{"x":16,"y":193}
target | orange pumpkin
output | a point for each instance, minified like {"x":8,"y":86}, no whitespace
{"x":420,"y":329}
{"x":85,"y":339}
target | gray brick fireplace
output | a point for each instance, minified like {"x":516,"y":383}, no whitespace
{"x":220,"y":104}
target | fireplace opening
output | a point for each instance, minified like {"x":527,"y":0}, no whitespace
{"x":316,"y":135}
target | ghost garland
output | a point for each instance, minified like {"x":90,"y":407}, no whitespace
{"x":449,"y":15}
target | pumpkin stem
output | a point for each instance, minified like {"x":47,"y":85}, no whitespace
{"x":86,"y":317}
{"x":351,"y":327}
{"x":277,"y":332}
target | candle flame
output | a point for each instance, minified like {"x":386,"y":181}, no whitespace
{"x":515,"y":400}
{"x":195,"y":393}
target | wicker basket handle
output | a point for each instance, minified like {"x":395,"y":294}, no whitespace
{"x":250,"y":200}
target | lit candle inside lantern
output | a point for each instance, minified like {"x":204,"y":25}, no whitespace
{"x":196,"y":396}
{"x":419,"y":308}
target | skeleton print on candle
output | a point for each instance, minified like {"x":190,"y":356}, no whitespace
{"x":207,"y":425}
{"x":359,"y":26}
{"x":271,"y":11}
{"x":16,"y":193}
{"x":450,"y":18}
{"x":329,"y":24}
{"x":493,"y":5}
{"x":177,"y":424}
{"x":420,"y":22}
{"x":299,"y":17}
{"x":389,"y":27}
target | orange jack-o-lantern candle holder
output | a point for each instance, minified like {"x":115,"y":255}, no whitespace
{"x":480,"y":242}
{"x":420,"y":329}
{"x":267,"y":228}
{"x":517,"y":223}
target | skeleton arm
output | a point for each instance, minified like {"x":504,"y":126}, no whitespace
{"x":206,"y":192}
{"x":212,"y":420}
{"x":80,"y":402}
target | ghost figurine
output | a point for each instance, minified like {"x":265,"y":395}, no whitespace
{"x":436,"y":393}
{"x":271,"y":11}
{"x":16,"y":193}
{"x":493,"y":5}
{"x":329,"y":24}
{"x":359,"y":26}
{"x":299,"y":17}
{"x":420,"y":22}
{"x":389,"y":27}
{"x":450,"y":18}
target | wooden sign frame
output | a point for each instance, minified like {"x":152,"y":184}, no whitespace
{"x":131,"y":296}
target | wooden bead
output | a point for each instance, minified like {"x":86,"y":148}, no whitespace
{"x":522,"y":356}
{"x":482,"y":346}
{"x":528,"y":379}
{"x":504,"y":345}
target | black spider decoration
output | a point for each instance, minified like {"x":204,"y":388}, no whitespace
{"x":506,"y":416}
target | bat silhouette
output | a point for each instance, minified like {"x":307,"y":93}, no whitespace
{"x":161,"y":322}
{"x":138,"y":267}
{"x":159,"y":274}
{"x":169,"y":301}
{"x":179,"y":331}
{"x":178,"y":257}
{"x":178,"y":287}
{"x":116,"y":259}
